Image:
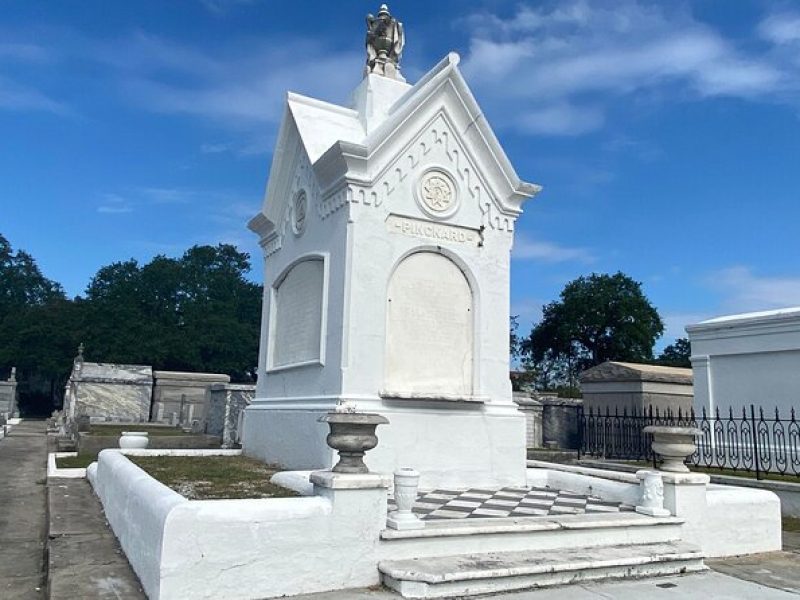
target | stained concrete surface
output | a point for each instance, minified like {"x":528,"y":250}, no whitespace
{"x":84,"y":558}
{"x":23,"y":459}
{"x":704,"y":586}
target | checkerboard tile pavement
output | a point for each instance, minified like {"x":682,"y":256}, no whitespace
{"x":507,"y":502}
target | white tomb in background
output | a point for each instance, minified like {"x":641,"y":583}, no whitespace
{"x":744,"y":359}
{"x":387,"y":228}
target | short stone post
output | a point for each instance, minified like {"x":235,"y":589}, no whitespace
{"x":406,"y":482}
{"x":652,"y":494}
{"x":358,"y":497}
{"x":684,"y":492}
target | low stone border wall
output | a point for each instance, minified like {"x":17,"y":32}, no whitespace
{"x":207,"y":548}
{"x":53,"y":471}
{"x":788,"y":492}
{"x":723,"y":520}
{"x":93,"y":444}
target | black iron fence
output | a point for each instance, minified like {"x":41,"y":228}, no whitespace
{"x":748,"y":441}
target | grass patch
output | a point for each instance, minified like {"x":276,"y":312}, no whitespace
{"x":75,"y":462}
{"x":116,"y":430}
{"x":791,"y":524}
{"x":214,"y":477}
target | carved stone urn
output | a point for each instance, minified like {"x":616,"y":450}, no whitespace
{"x":674,"y":445}
{"x":134,"y":440}
{"x":352,"y":435}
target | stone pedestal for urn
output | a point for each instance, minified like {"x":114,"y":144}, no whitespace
{"x":674,"y":445}
{"x":406,"y":482}
{"x":352,"y":435}
{"x":134,"y":440}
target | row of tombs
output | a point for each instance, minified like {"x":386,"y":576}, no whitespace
{"x":205,"y":403}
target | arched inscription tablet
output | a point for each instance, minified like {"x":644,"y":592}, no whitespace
{"x":430,"y":328}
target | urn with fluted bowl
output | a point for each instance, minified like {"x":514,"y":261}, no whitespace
{"x":674,"y":445}
{"x":352,"y":435}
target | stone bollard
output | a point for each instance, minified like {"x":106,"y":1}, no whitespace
{"x":652,"y":494}
{"x":406,"y":482}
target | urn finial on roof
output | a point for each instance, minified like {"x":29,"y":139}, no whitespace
{"x":385,"y":41}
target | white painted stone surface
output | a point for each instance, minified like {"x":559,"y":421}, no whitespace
{"x":429,"y":334}
{"x":723,"y":520}
{"x":207,"y":549}
{"x":54,"y":471}
{"x":746,"y":359}
{"x":298,"y":481}
{"x":298,"y":315}
{"x":137,"y":507}
{"x":410,"y":177}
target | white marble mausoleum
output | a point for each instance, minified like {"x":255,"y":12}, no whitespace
{"x":387,"y":227}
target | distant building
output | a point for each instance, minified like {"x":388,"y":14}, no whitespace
{"x":634,"y":387}
{"x":751,"y":358}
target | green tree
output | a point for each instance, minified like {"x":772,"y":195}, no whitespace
{"x":21,"y":282}
{"x":38,"y":328}
{"x":676,"y":354}
{"x":194,"y":313}
{"x":598,"y":317}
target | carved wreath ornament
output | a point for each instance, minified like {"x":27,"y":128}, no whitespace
{"x":300,"y":210}
{"x":437,"y":193}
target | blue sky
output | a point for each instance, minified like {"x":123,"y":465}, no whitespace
{"x":666,"y":135}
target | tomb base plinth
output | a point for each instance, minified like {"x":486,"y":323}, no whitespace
{"x":451,"y":446}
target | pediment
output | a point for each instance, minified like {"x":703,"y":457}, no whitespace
{"x":291,"y":172}
{"x":438,"y":145}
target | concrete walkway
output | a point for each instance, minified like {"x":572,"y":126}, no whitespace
{"x":23,"y":459}
{"x":704,"y":586}
{"x":84,"y":558}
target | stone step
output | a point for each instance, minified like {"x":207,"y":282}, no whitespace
{"x":441,"y":538}
{"x":486,"y":573}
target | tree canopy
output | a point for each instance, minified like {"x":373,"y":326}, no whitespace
{"x":197,"y":312}
{"x":676,"y":354}
{"x":598,"y":317}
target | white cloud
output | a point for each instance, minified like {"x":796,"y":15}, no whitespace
{"x":114,"y":204}
{"x":17,"y":97}
{"x":562,"y":119}
{"x":558,"y":69}
{"x":781,"y":28}
{"x":241,"y":86}
{"x":745,"y":291}
{"x":23,"y":52}
{"x":527,"y":249}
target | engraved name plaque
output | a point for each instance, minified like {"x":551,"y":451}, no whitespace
{"x":437,"y":232}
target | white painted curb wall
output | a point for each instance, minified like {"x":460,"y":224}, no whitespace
{"x":723,"y":520}
{"x":136,"y":506}
{"x":206,"y":549}
{"x":54,"y":471}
